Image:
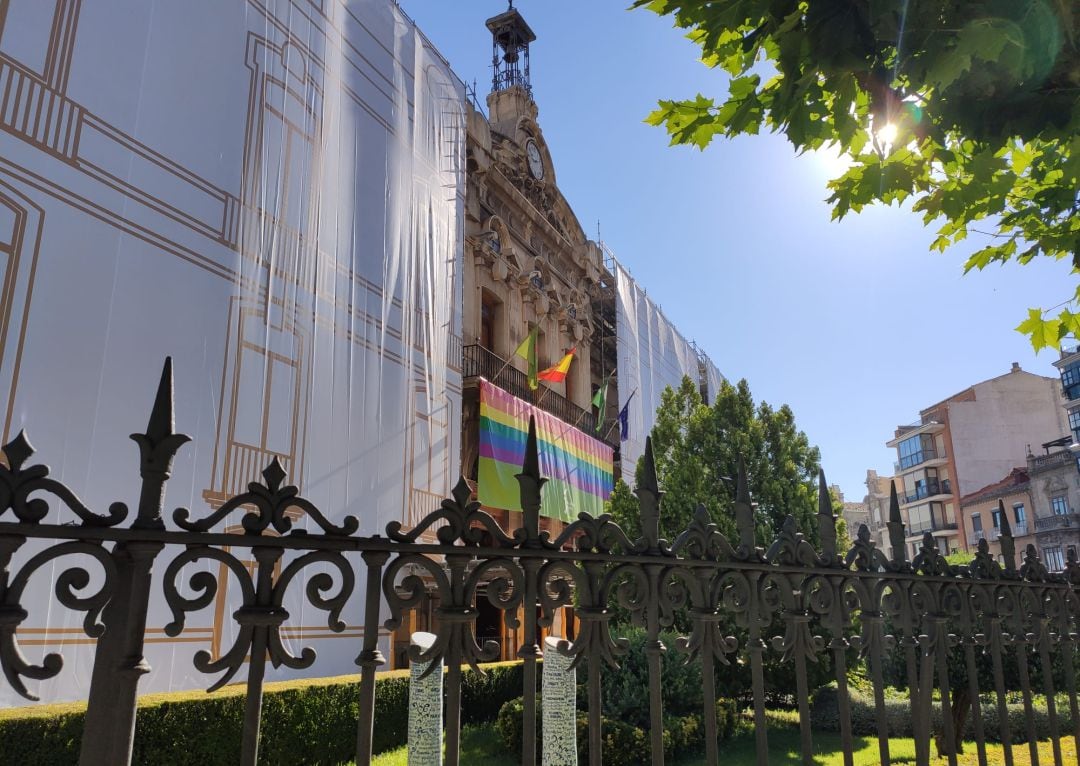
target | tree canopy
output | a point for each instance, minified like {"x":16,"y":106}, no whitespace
{"x":696,"y":449}
{"x":970,"y":110}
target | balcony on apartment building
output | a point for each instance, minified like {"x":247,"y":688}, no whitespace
{"x":994,"y":533}
{"x":929,"y":456}
{"x":916,"y":446}
{"x":1069,"y":364}
{"x":931,"y":488}
{"x":928,"y":518}
{"x":1057,"y":521}
{"x":1040,"y":463}
{"x":481,"y":362}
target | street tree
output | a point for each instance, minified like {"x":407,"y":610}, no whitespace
{"x":969,"y":110}
{"x":696,"y":451}
{"x":697,"y":448}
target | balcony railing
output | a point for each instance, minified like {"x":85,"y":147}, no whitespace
{"x":480,"y":362}
{"x":994,"y":533}
{"x":931,"y":488}
{"x":931,"y":525}
{"x":908,"y":462}
{"x":1057,"y":521}
{"x":1053,"y":460}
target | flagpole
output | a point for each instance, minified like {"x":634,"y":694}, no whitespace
{"x":502,"y":369}
{"x":627,"y":404}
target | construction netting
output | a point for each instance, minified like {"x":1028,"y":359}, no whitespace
{"x":652,"y":355}
{"x":272,"y":194}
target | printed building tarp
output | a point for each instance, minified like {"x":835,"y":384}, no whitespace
{"x":713,"y":379}
{"x":652,"y":355}
{"x":271,"y":192}
{"x":577,"y":466}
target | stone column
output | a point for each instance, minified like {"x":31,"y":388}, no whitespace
{"x":558,"y":741}
{"x":425,"y":708}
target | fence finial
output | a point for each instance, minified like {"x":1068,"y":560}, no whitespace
{"x":649,"y":494}
{"x":530,"y":481}
{"x":1005,"y":541}
{"x":157,"y":448}
{"x":162,"y":418}
{"x":744,"y":516}
{"x":826,"y":523}
{"x":895,"y":525}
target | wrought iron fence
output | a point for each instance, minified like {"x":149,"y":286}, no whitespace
{"x":854,"y":607}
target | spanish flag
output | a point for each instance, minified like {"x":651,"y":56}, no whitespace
{"x":557,"y":373}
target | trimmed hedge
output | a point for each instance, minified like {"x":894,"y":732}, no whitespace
{"x":825,"y":716}
{"x":309,"y":721}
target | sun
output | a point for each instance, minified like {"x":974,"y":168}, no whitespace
{"x":887,"y":134}
{"x":831,"y":160}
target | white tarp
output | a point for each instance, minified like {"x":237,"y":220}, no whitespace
{"x":713,"y":378}
{"x":652,"y":355}
{"x":269,"y":191}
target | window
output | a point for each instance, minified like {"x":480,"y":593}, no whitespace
{"x":1070,"y":381}
{"x":925,"y":485}
{"x":916,"y":450}
{"x":996,"y":516}
{"x":1053,"y":559}
{"x":976,"y":524}
{"x":1021,"y":519}
{"x":1074,"y":424}
{"x":490,"y":319}
{"x":1058,"y":505}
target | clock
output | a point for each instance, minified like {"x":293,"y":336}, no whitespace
{"x":536,"y":162}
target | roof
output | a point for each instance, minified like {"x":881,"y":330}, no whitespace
{"x":970,"y":390}
{"x":1017,"y":481}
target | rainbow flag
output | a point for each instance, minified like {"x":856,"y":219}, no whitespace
{"x":577,"y":466}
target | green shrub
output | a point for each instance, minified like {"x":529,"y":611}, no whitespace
{"x":626,"y":689}
{"x":623,"y":742}
{"x":310,"y":721}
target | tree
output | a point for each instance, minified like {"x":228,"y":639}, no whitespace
{"x":697,"y":450}
{"x":970,"y":109}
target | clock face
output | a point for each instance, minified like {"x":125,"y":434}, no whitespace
{"x":536,"y":163}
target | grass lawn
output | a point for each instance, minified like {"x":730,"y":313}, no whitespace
{"x":480,"y":745}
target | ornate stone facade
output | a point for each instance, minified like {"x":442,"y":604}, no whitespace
{"x":1055,"y":496}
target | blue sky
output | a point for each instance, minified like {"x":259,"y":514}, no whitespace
{"x":854,"y":324}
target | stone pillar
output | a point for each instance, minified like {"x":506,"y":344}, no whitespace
{"x":559,"y":699}
{"x":425,"y":708}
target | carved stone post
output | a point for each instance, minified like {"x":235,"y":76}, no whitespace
{"x":559,"y":744}
{"x":425,"y":707}
{"x":119,"y":662}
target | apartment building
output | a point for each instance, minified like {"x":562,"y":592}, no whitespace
{"x":981,"y":512}
{"x":1055,"y":498}
{"x":968,"y":442}
{"x":1069,"y":367}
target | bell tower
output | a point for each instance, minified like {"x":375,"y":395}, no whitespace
{"x":510,"y":38}
{"x":511,"y":90}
